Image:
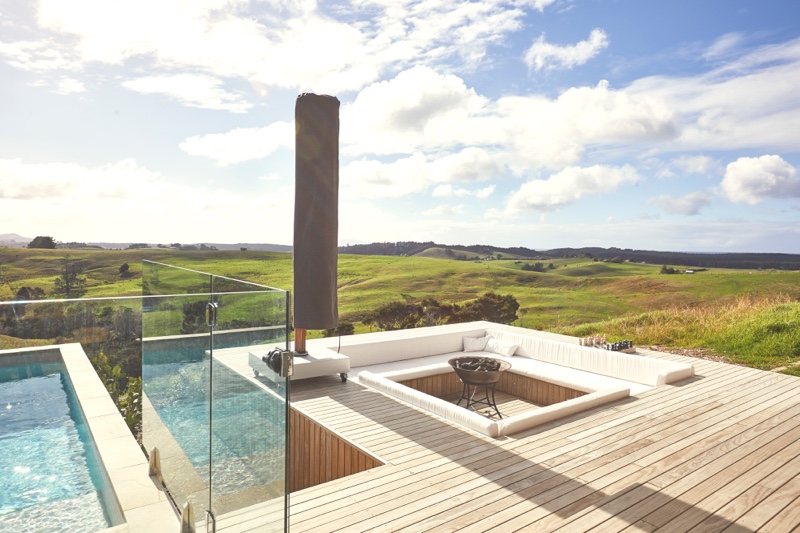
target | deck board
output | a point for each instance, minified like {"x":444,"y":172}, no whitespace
{"x":720,"y":451}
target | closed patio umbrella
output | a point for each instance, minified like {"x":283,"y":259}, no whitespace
{"x":316,"y":214}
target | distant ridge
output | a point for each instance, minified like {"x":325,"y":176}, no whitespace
{"x":414,"y":248}
{"x":258,"y":247}
{"x":14,"y":240}
{"x":688,"y":259}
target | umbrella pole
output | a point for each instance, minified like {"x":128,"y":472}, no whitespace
{"x":300,"y":341}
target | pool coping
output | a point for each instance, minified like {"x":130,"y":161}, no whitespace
{"x":142,"y":500}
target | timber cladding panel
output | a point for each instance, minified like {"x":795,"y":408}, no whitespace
{"x":438,"y":385}
{"x":318,"y":455}
{"x":534,"y":390}
{"x":523,"y":387}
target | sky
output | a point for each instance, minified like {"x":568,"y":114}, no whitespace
{"x":539,"y":123}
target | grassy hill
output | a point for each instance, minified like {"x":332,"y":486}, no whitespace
{"x":437,"y":252}
{"x":578,"y":296}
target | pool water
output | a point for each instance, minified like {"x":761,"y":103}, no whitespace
{"x":247,"y":432}
{"x":49,"y":475}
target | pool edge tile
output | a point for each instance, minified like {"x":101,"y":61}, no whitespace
{"x":136,"y":488}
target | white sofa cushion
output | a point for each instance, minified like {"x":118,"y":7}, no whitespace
{"x":536,"y":417}
{"x":412,"y":368}
{"x":570,"y":378}
{"x":500,"y":348}
{"x":475,"y":344}
{"x":628,"y":367}
{"x":406,"y":344}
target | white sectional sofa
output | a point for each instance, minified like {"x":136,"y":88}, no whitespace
{"x":383,"y":359}
{"x":424,"y":351}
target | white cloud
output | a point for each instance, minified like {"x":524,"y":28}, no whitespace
{"x":418,"y":108}
{"x":406,"y":32}
{"x":484,"y":193}
{"x":688,"y":204}
{"x":724,"y":46}
{"x":125,"y":201}
{"x":373,"y":179}
{"x":69,"y":86}
{"x":421,"y":110}
{"x":469,"y":165}
{"x":752,"y":180}
{"x":547,"y":56}
{"x":530,"y":132}
{"x":602,"y":114}
{"x":193,"y":90}
{"x":448,"y":190}
{"x":370,"y":178}
{"x":665,"y":173}
{"x":698,"y":164}
{"x":541,"y":4}
{"x":241,"y":144}
{"x":38,"y":56}
{"x":288,"y":44}
{"x":710,"y":111}
{"x":554,"y":133}
{"x":570,"y":185}
{"x":445,"y":210}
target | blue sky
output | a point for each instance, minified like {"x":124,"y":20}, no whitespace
{"x":540,"y":123}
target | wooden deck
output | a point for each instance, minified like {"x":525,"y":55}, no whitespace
{"x":718,"y":452}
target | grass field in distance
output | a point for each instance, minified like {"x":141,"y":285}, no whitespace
{"x":748,"y":317}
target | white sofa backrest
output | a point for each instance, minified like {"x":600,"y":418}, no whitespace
{"x":646,"y":370}
{"x":407,"y":344}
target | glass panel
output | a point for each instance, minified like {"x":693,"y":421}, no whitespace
{"x":248,"y":413}
{"x":176,"y":373}
{"x":220,"y":430}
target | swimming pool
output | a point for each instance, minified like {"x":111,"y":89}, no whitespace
{"x":52,"y":479}
{"x":248,"y":443}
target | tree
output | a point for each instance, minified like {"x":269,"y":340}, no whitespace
{"x":491,"y":307}
{"x":434,"y":313}
{"x":72,"y":282}
{"x":345,"y":328}
{"x":5,"y":278}
{"x":194,"y":317}
{"x":29,"y":293}
{"x":43,"y":242}
{"x":536,"y":267}
{"x":395,"y":315}
{"x":125,"y":391}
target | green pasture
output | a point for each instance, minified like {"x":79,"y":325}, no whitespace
{"x":578,"y":296}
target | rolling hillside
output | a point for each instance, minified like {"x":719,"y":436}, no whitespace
{"x":578,"y":296}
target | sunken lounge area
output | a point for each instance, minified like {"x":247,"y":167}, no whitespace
{"x":554,"y":379}
{"x":714,"y":449}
